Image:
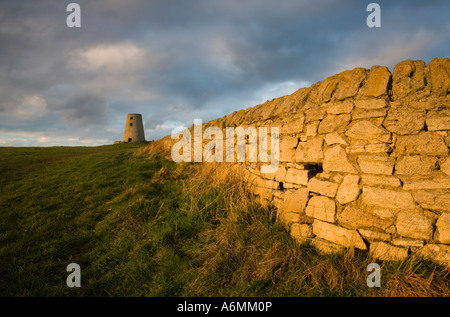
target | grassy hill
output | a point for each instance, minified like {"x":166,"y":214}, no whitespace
{"x":139,"y":225}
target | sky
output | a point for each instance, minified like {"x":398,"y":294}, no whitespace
{"x":174,"y":61}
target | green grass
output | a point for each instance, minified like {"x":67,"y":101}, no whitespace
{"x":139,"y":225}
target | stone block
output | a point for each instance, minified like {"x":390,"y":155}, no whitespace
{"x":311,"y":129}
{"x":437,"y":200}
{"x":436,"y":252}
{"x":301,"y":232}
{"x":376,"y":164}
{"x":333,"y":123}
{"x":415,"y":225}
{"x":355,"y":217}
{"x":408,"y":78}
{"x":295,"y":200}
{"x":340,"y":107}
{"x":443,"y":228}
{"x":335,"y":138}
{"x":368,"y":131}
{"x":435,"y":183}
{"x":438,"y":120}
{"x":416,"y":165}
{"x":296,"y":176}
{"x":372,"y":236}
{"x":348,"y":190}
{"x":341,"y":236}
{"x":310,"y":151}
{"x":403,"y":120}
{"x":401,"y":242}
{"x":379,"y":148}
{"x":322,"y":208}
{"x":359,"y":113}
{"x":445,"y":166}
{"x":326,"y":246}
{"x":336,"y":160}
{"x":371,"y":103}
{"x":387,"y":198}
{"x":425,"y":143}
{"x":386,"y":252}
{"x":293,"y":126}
{"x":374,"y":180}
{"x":322,"y":187}
{"x":377,"y":82}
{"x":287,"y":218}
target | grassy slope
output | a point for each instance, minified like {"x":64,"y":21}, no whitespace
{"x":143,"y":226}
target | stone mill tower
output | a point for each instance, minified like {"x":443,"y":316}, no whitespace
{"x":134,"y":129}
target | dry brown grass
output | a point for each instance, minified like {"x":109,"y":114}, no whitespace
{"x":245,"y":253}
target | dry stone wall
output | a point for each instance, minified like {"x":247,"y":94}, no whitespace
{"x":364,"y":160}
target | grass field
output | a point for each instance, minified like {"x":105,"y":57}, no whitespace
{"x":139,"y":225}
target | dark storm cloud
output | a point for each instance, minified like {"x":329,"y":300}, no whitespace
{"x":177,"y":60}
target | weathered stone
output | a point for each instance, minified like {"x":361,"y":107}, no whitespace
{"x":342,"y":85}
{"x":297,"y":176}
{"x":436,"y":252}
{"x":404,"y":120}
{"x":301,"y":232}
{"x":340,"y":107}
{"x":293,"y":126}
{"x":335,"y":138}
{"x":280,"y":174}
{"x":322,"y":187}
{"x":372,"y":236}
{"x":326,"y":246}
{"x":258,"y":181}
{"x":287,"y":218}
{"x":416,"y":165}
{"x":288,"y":142}
{"x":376,"y":164}
{"x":338,"y":235}
{"x":314,"y":114}
{"x":408,"y":78}
{"x":359,"y":113}
{"x":414,"y":225}
{"x":311,"y":129}
{"x":443,"y":228}
{"x":407,"y":242}
{"x":368,"y":131}
{"x":379,"y":148}
{"x":440,"y":75}
{"x":370,"y":104}
{"x":334,"y":123}
{"x":310,"y":151}
{"x":373,"y":180}
{"x":377,"y":82}
{"x":336,"y":160}
{"x":387,"y":198}
{"x":355,"y":217}
{"x":435,"y":200}
{"x":355,"y":149}
{"x":322,"y":208}
{"x":383,"y":213}
{"x":445,"y":166}
{"x":438,"y":120}
{"x":295,"y":200}
{"x":425,"y":143}
{"x":348,"y":190}
{"x":436,"y":183}
{"x":287,"y":154}
{"x":386,"y":252}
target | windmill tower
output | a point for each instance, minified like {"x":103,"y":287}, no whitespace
{"x":134,"y":129}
